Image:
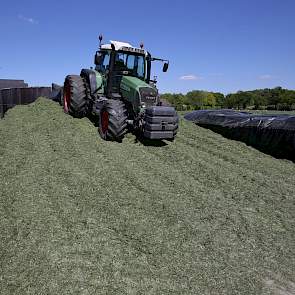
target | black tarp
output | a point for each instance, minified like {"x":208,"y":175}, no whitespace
{"x":272,"y":134}
{"x":1,"y":106}
{"x":57,"y":92}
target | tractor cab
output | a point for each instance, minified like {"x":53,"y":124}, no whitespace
{"x":119,"y":59}
{"x":127,"y":71}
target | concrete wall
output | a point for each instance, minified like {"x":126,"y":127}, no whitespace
{"x":11,"y":97}
{"x":7,"y":83}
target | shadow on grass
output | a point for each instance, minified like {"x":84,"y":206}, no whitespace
{"x":138,"y":137}
{"x":150,"y":142}
{"x":93,"y":119}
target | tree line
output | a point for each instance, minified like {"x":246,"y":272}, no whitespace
{"x":269,"y":99}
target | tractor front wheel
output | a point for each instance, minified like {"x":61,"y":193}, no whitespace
{"x":75,"y":101}
{"x":112,"y":123}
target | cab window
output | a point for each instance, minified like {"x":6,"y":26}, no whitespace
{"x":134,"y":64}
{"x":105,"y":62}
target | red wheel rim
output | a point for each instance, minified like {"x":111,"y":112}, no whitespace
{"x":67,"y":97}
{"x":104,"y":121}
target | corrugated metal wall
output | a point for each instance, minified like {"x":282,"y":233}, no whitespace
{"x":11,"y":97}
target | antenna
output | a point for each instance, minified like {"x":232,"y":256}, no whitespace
{"x":100,"y":39}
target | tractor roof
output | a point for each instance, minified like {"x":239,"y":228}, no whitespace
{"x":123,"y":46}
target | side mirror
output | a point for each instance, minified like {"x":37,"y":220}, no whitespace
{"x":165,"y":67}
{"x":98,"y":58}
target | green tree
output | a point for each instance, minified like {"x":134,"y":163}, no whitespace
{"x":220,"y":99}
{"x":209,"y":99}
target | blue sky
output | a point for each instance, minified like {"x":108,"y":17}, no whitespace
{"x":218,"y":45}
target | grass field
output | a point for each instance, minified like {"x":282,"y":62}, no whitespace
{"x":78,"y":215}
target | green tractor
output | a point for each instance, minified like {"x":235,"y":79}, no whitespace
{"x":120,"y":95}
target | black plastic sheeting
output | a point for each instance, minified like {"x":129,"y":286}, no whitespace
{"x":57,"y":92}
{"x":272,"y":134}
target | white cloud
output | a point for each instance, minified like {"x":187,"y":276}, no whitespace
{"x":28,"y":19}
{"x":265,"y":77}
{"x":190,"y":77}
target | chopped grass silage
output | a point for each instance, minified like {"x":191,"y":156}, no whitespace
{"x":78,"y":215}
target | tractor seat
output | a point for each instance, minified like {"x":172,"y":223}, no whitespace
{"x":120,"y":66}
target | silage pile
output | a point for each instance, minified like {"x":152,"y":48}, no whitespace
{"x":202,"y":215}
{"x":272,"y":133}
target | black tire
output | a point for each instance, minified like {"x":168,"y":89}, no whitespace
{"x":112,"y":123}
{"x":74,"y":99}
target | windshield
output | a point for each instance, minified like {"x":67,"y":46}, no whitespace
{"x":104,"y":61}
{"x":134,"y":64}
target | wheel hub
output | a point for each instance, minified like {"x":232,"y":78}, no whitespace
{"x":104,"y":121}
{"x":67,"y":97}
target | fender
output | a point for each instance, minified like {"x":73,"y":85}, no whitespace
{"x":93,"y":79}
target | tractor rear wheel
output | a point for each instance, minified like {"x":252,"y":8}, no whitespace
{"x":75,"y":101}
{"x":112,"y":123}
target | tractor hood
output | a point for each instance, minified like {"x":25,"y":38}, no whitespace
{"x":138,"y":93}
